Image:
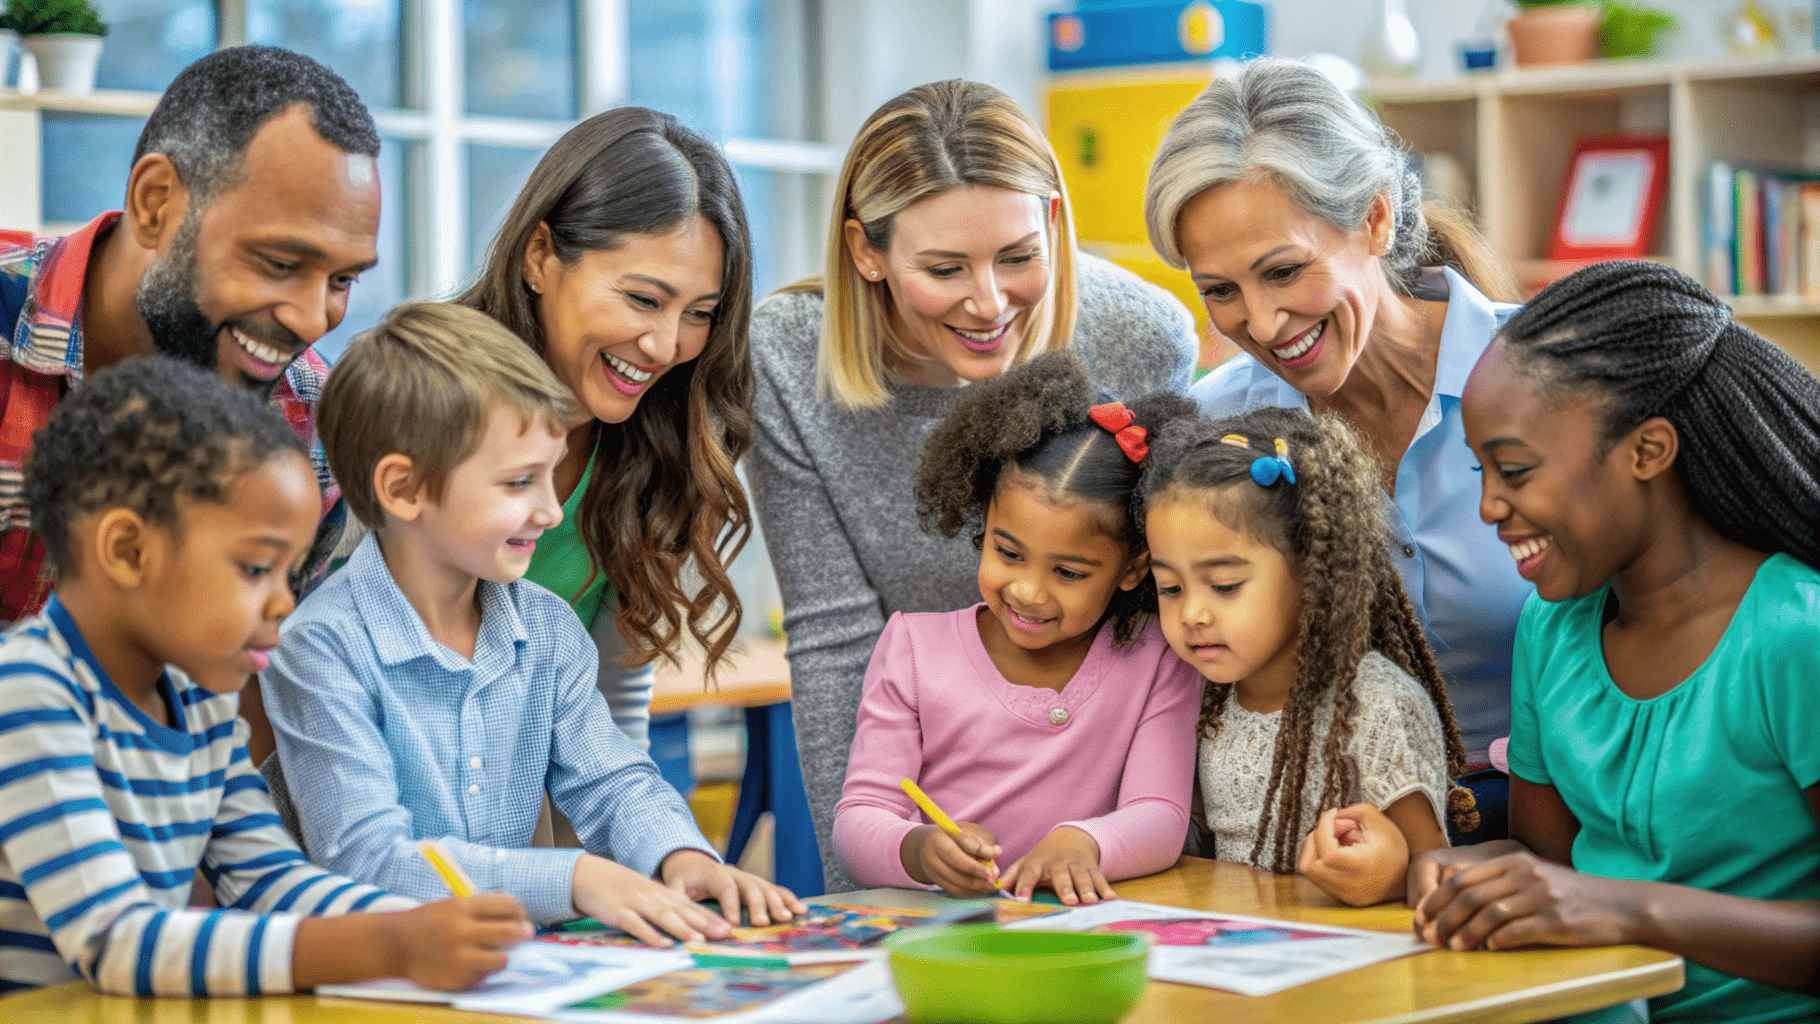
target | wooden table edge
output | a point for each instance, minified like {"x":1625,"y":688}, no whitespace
{"x":1598,"y":991}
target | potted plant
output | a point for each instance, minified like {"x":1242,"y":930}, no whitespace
{"x":1632,"y":30}
{"x":1555,"y":32}
{"x":65,"y":37}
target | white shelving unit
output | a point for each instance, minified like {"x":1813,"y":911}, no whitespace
{"x":1514,"y":132}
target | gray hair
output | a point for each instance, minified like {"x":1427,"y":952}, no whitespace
{"x":1284,"y":120}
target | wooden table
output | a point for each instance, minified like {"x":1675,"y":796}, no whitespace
{"x":1493,"y":988}
{"x":757,"y":674}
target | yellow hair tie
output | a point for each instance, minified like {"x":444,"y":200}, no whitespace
{"x":1236,"y":440}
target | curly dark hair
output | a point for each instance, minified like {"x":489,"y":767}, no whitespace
{"x":210,"y":112}
{"x":1330,"y":524}
{"x":146,"y":433}
{"x":1034,"y":418}
{"x":1645,"y":340}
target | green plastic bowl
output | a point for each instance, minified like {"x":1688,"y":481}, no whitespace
{"x":979,"y":974}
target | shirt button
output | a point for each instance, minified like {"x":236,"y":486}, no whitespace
{"x":1058,"y":716}
{"x":1409,"y":551}
{"x":473,"y":762}
{"x":474,"y":790}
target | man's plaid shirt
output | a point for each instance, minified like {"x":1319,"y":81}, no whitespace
{"x":41,"y":279}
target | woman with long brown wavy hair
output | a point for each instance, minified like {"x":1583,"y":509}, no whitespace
{"x":626,"y":263}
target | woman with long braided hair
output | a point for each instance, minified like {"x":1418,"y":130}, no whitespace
{"x":1652,"y":465}
{"x":1327,"y":737}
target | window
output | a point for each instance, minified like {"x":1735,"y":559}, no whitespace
{"x":467,"y":95}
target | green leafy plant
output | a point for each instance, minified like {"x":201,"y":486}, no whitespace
{"x":6,"y":22}
{"x":37,"y":17}
{"x":1632,"y":30}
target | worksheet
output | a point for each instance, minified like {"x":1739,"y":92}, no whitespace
{"x":1253,"y":956}
{"x":537,"y":977}
{"x":828,"y":933}
{"x":829,"y":993}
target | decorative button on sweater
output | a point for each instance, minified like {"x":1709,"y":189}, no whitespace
{"x":1058,"y":716}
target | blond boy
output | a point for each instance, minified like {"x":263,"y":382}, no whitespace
{"x":427,"y":690}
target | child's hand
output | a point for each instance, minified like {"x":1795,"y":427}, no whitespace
{"x":1357,"y":855}
{"x":621,"y":898}
{"x":956,"y":863}
{"x":1068,"y":859}
{"x":452,"y":944}
{"x":699,"y":877}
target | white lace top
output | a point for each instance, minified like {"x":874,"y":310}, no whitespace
{"x":1397,"y":749}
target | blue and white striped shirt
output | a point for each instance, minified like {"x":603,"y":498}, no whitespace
{"x":105,"y":815}
{"x":387,"y":738}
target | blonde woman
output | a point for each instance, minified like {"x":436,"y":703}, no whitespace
{"x":950,"y":259}
{"x":1292,"y":209}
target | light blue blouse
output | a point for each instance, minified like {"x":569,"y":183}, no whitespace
{"x":1460,"y":577}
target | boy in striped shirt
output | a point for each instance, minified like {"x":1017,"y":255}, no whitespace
{"x":174,"y":507}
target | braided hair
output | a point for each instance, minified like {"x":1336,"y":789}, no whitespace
{"x":1646,"y":340}
{"x":1034,"y":418}
{"x":1330,"y":524}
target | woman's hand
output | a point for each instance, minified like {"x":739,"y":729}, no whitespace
{"x":956,"y":863}
{"x":699,"y":876}
{"x":1357,"y":855}
{"x":620,"y":897}
{"x":1068,"y":859}
{"x":1429,"y":869}
{"x":1522,"y":900}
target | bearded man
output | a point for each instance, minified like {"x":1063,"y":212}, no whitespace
{"x":252,"y":207}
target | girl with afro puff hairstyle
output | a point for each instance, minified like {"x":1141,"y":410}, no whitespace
{"x":1652,"y":465}
{"x":1327,"y":739}
{"x":1050,"y":720}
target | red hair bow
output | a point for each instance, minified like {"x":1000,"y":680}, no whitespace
{"x":1115,"y":417}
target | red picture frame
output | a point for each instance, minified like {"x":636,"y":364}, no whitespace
{"x":1610,"y":198}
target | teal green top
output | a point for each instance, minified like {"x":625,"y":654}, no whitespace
{"x":562,"y":564}
{"x":1701,"y":786}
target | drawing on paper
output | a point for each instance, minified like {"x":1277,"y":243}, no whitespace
{"x":703,"y":993}
{"x":1211,"y":931}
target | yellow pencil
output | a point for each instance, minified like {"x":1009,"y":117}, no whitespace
{"x":445,"y":865}
{"x":941,"y":820}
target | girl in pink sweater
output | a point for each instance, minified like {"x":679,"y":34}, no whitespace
{"x":1051,"y":721}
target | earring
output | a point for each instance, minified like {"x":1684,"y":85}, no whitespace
{"x":534,"y":288}
{"x":873,"y":275}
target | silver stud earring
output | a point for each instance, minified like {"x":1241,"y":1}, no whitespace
{"x":874,"y":275}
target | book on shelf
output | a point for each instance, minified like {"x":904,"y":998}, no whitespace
{"x":1762,"y":230}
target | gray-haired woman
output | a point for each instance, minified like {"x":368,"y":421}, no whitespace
{"x":1293,"y":209}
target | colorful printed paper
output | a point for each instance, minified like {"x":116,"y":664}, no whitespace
{"x":1253,"y":956}
{"x":829,"y":932}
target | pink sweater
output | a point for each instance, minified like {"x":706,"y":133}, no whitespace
{"x":1112,"y":754}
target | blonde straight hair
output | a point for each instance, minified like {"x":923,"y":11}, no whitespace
{"x":936,"y":137}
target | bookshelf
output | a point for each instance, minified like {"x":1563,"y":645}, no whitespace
{"x":1514,"y":131}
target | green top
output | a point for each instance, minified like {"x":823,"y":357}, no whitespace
{"x":1701,"y":786}
{"x":561,"y":562}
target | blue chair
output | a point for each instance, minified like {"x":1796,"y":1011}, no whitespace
{"x":773,"y":781}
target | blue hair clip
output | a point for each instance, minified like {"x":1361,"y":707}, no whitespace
{"x":1268,"y":469}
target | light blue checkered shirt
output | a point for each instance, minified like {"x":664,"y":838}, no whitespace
{"x":388,"y":737}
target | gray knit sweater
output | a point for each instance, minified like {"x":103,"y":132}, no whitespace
{"x":833,"y":493}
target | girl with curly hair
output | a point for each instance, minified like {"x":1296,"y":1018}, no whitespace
{"x":1051,"y":719}
{"x":1327,"y":738}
